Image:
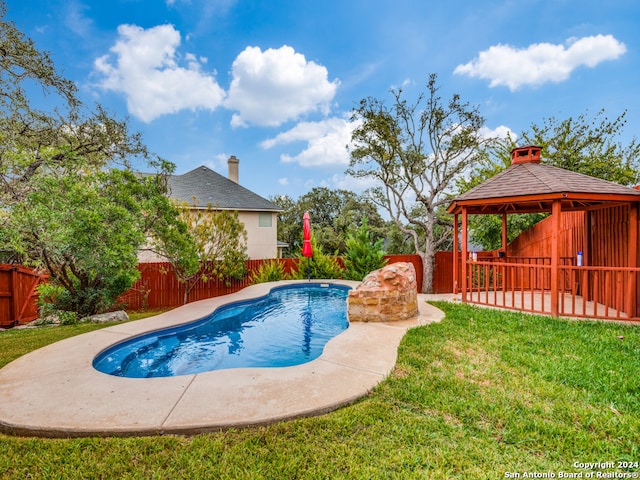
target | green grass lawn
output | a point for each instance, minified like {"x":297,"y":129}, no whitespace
{"x":480,"y":395}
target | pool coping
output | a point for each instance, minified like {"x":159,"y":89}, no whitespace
{"x":55,"y":391}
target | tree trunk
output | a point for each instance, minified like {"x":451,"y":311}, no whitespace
{"x":427,"y":272}
{"x":428,"y":256}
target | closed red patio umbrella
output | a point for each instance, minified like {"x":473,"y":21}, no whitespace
{"x":307,"y":250}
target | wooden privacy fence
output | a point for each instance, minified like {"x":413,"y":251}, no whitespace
{"x":18,"y":294}
{"x":159,"y":288}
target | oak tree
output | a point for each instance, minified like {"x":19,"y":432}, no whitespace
{"x":414,"y":151}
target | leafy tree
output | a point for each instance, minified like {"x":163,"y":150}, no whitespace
{"x":415,"y":151}
{"x":588,"y":145}
{"x":67,"y":138}
{"x":398,"y":242}
{"x":325,"y":206}
{"x":591,"y":146}
{"x":64,"y":205}
{"x":86,"y":229}
{"x":354,"y":212}
{"x":219,"y":241}
{"x":289,"y":222}
{"x":363,"y":255}
{"x":333,"y":214}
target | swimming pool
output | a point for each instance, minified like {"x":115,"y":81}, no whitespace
{"x":289,"y":326}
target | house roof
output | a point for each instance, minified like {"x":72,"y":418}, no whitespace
{"x":203,"y":186}
{"x":532,"y":187}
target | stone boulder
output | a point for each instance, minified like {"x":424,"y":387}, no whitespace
{"x":389,"y":294}
{"x":117,"y":316}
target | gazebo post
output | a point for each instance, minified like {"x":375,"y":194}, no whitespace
{"x":585,"y":288}
{"x":631,"y":294}
{"x":455,"y":253}
{"x":504,"y":233}
{"x":555,"y":256}
{"x":465,"y":228}
{"x":506,"y":277}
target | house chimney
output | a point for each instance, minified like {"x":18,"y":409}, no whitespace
{"x":528,"y":154}
{"x":233,"y":168}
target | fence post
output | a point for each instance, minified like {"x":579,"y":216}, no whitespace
{"x":13,"y":291}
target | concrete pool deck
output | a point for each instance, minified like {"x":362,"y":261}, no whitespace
{"x":56,"y":392}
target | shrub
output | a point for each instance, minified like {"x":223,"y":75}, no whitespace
{"x":51,"y":300}
{"x":363,"y":255}
{"x":318,"y":266}
{"x":269,"y":271}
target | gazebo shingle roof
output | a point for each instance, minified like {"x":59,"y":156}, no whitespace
{"x":529,"y":186}
{"x":538,"y":179}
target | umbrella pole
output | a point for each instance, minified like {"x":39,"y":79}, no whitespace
{"x":308,"y":269}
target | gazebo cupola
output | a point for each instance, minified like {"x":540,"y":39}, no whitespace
{"x":528,"y":154}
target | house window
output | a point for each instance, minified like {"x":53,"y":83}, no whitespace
{"x":265,"y":220}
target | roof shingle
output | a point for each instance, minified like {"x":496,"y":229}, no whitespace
{"x":203,"y":186}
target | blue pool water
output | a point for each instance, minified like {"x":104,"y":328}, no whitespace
{"x":288,"y":327}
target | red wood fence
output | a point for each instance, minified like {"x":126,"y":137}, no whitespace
{"x":18,"y":294}
{"x":159,"y":288}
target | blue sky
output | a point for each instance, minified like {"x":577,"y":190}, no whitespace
{"x":273,"y":82}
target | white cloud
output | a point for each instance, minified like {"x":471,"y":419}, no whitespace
{"x":540,"y":63}
{"x":267,"y":88}
{"x":283,"y":181}
{"x":326,"y":142}
{"x":346,"y":182}
{"x":146,"y":70}
{"x":271,"y":87}
{"x":498,"y":132}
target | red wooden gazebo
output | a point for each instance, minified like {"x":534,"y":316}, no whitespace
{"x":587,"y":264}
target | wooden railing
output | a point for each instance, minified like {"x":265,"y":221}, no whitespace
{"x":525,"y":284}
{"x":612,"y":291}
{"x":518,"y":286}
